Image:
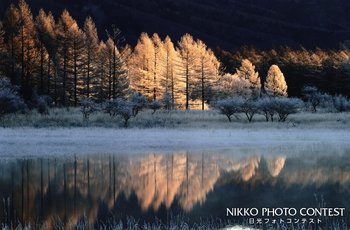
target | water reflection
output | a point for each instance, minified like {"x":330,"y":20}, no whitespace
{"x":67,"y":189}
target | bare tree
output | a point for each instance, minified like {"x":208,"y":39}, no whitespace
{"x":249,"y":108}
{"x":229,"y":106}
{"x":286,"y":106}
{"x":314,"y":97}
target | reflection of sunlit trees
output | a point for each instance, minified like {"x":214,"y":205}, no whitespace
{"x":201,"y":176}
{"x":275,"y":165}
{"x":249,"y":168}
{"x":78,"y":186}
{"x":159,"y":179}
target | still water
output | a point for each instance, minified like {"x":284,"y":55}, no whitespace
{"x":196,"y":186}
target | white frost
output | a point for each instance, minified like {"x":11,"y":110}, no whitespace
{"x":15,"y":142}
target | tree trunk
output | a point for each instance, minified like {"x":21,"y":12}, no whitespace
{"x":202,"y":78}
{"x":41,"y":68}
{"x":75,"y":77}
{"x":187,"y":83}
{"x":114,"y":73}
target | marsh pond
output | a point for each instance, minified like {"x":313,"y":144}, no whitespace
{"x":188,"y":187}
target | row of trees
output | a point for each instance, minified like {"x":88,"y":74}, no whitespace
{"x":328,"y":70}
{"x":246,"y":82}
{"x":190,"y":71}
{"x":270,"y":107}
{"x":57,"y":58}
{"x":186,"y":72}
{"x":279,"y":106}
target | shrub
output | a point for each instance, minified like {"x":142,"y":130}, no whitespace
{"x":286,"y":106}
{"x":167,"y":101}
{"x":125,"y":110}
{"x":314,"y":97}
{"x":249,"y":108}
{"x":87,"y":107}
{"x":10,"y":102}
{"x":229,"y":106}
{"x":155,"y":105}
{"x":341,"y":103}
{"x":138,"y":102}
{"x":42,"y":104}
{"x":110,"y":107}
{"x":265,"y":106}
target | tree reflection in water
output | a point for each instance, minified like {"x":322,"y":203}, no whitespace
{"x":70,"y":188}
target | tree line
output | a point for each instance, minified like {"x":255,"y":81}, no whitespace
{"x":328,"y":70}
{"x":55,"y":57}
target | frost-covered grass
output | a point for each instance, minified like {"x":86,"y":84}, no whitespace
{"x":15,"y":142}
{"x":72,"y":117}
{"x":64,"y":132}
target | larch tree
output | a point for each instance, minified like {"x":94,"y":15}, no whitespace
{"x":46,"y":29}
{"x":70,"y":56}
{"x":247,"y":72}
{"x":117,"y":74}
{"x":275,"y":84}
{"x":158,"y":66}
{"x":207,"y":70}
{"x":64,"y":38}
{"x":188,"y":63}
{"x":170,"y":79}
{"x":91,"y":47}
{"x":76,"y":36}
{"x":11,"y":25}
{"x":41,"y":25}
{"x":141,"y":66}
{"x":28,"y":53}
{"x":102,"y":71}
{"x":115,"y":85}
{"x":110,"y":49}
{"x":3,"y":51}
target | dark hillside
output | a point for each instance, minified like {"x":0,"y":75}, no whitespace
{"x":225,"y":23}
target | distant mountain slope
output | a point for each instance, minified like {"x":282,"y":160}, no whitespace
{"x":225,"y":23}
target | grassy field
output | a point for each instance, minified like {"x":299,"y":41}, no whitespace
{"x":72,"y":117}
